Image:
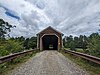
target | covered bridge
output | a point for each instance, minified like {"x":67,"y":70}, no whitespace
{"x":49,"y":39}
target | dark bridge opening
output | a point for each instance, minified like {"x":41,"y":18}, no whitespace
{"x":50,"y":42}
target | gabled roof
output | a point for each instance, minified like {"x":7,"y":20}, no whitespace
{"x":52,"y":29}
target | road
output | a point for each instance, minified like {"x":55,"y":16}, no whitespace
{"x":49,"y":63}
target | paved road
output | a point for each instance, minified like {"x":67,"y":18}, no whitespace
{"x":49,"y":63}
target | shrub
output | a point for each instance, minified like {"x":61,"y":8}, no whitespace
{"x":10,"y":46}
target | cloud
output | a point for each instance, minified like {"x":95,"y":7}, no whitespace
{"x":68,"y":16}
{"x":10,"y":13}
{"x":40,"y":5}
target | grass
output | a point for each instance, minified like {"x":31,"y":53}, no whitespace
{"x":8,"y":66}
{"x":79,"y":50}
{"x":76,"y":49}
{"x":91,"y":68}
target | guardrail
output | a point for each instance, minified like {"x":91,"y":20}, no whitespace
{"x":84,"y":56}
{"x":13,"y":56}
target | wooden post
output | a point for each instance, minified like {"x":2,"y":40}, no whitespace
{"x":37,"y":41}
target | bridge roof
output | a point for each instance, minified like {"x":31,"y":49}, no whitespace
{"x":52,"y":29}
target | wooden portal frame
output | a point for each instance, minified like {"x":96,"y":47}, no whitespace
{"x":49,"y":31}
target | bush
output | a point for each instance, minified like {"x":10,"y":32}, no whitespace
{"x":10,"y":46}
{"x":3,"y":51}
{"x":14,"y":46}
{"x":94,"y":44}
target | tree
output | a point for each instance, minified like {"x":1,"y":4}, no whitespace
{"x":30,"y":43}
{"x":64,"y":41}
{"x":26,"y":43}
{"x":84,"y":43}
{"x":68,"y":40}
{"x":21,"y":39}
{"x":33,"y":42}
{"x":72,"y":45}
{"x":76,"y":39}
{"x":5,"y":27}
{"x":94,"y":44}
{"x":80,"y":41}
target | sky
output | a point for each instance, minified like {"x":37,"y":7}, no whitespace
{"x":71,"y":17}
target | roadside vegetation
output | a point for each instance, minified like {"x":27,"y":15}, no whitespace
{"x":10,"y":45}
{"x":6,"y":67}
{"x":91,"y":68}
{"x":86,"y":44}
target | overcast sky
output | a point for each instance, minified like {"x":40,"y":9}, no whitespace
{"x":71,"y":17}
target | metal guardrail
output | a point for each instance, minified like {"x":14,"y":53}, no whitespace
{"x":13,"y":56}
{"x":84,"y":56}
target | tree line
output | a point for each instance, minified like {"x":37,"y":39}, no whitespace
{"x":87,"y":44}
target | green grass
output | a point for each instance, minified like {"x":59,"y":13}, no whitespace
{"x":91,"y":68}
{"x":76,"y":49}
{"x":79,"y":50}
{"x":6,"y":67}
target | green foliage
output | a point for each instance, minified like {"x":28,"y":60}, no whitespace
{"x":10,"y":46}
{"x":18,"y":44}
{"x":3,"y":51}
{"x":72,"y":45}
{"x":5,"y":68}
{"x":75,"y":42}
{"x":4,"y":28}
{"x":26,"y":43}
{"x":13,"y":45}
{"x":91,"y":68}
{"x":90,"y":45}
{"x":67,"y":41}
{"x":94,"y":44}
{"x":33,"y":42}
{"x":30,"y":43}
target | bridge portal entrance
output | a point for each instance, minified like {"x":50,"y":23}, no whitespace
{"x":49,"y":39}
{"x":50,"y":42}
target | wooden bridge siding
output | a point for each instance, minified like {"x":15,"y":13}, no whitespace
{"x":49,"y":32}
